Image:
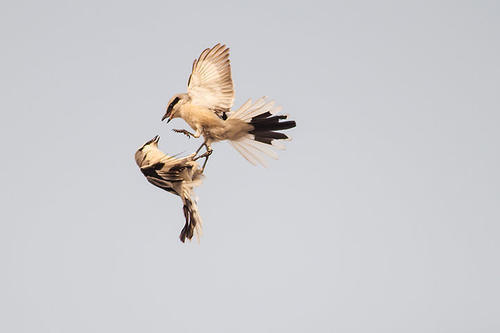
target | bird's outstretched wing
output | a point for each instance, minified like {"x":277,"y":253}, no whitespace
{"x":210,"y":83}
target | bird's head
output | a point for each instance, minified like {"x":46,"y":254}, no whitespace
{"x":174,"y":106}
{"x":141,"y":153}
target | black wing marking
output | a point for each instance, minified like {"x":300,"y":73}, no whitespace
{"x":164,"y":185}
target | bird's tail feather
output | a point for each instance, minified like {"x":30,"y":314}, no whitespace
{"x":193,"y":226}
{"x":265,"y":133}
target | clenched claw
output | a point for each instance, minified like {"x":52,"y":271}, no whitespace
{"x":206,"y":154}
{"x":183,"y":131}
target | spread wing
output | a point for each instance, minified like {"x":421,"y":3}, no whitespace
{"x":210,"y":83}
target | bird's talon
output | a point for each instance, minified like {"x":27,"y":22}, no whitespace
{"x":182,"y":131}
{"x":204,"y":155}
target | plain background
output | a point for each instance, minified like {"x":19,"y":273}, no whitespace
{"x":381,"y":216}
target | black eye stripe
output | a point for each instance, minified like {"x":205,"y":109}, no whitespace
{"x":171,"y":106}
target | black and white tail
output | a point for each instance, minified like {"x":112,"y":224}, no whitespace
{"x":193,"y":221}
{"x":193,"y":224}
{"x":265,"y":135}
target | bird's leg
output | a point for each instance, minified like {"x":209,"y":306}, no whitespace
{"x":206,"y":160}
{"x":203,"y":144}
{"x":187,"y":133}
{"x":206,"y":155}
{"x":198,"y":150}
{"x":183,"y":131}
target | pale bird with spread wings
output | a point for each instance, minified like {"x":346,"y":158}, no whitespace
{"x":178,"y":176}
{"x":253,"y":130}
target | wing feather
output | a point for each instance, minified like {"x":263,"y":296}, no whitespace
{"x":210,"y":83}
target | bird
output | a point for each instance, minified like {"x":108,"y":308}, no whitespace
{"x":178,"y":176}
{"x":253,"y":130}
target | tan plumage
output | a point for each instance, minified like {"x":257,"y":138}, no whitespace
{"x":178,"y":176}
{"x":253,"y":129}
{"x":210,"y":83}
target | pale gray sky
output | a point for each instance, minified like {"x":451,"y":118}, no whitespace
{"x":381,"y":216}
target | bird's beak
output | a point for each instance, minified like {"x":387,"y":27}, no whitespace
{"x":167,"y":115}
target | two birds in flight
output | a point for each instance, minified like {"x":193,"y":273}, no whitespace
{"x":253,"y":130}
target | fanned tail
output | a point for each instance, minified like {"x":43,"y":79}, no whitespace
{"x":265,"y":133}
